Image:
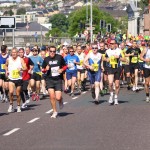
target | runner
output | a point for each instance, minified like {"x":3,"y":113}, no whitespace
{"x":81,"y":69}
{"x":53,"y":66}
{"x":36,"y":75}
{"x":72,"y":61}
{"x":133,"y":54}
{"x":145,"y":56}
{"x":14,"y":66}
{"x":93,"y":62}
{"x":113,"y":57}
{"x":3,"y":79}
{"x":26,"y":75}
{"x":28,"y":52}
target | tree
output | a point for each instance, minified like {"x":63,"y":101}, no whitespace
{"x":33,"y":3}
{"x":21,"y":11}
{"x":55,"y":32}
{"x":80,"y":16}
{"x":60,"y":22}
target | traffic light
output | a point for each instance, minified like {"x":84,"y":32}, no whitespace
{"x":109,"y":27}
{"x":102,"y":24}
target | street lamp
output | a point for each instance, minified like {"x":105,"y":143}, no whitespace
{"x":91,"y":22}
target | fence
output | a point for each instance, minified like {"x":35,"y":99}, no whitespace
{"x":21,"y":41}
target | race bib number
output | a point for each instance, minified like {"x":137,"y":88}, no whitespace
{"x":134,"y":59}
{"x":95,"y":66}
{"x":15,"y":74}
{"x":54,"y":71}
{"x":39,"y":73}
{"x":81,"y":62}
{"x":113,"y":60}
{"x":2,"y":66}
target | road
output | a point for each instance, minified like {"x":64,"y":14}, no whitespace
{"x":81,"y":125}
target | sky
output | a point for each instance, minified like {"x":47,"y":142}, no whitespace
{"x":11,"y":0}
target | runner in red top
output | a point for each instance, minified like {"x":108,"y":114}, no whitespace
{"x":26,"y":74}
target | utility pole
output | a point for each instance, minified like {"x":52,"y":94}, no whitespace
{"x":149,"y":16}
{"x":86,"y":11}
{"x":91,"y":22}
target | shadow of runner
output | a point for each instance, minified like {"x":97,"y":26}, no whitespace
{"x":63,"y":114}
{"x":2,"y":114}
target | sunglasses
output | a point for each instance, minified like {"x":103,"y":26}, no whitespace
{"x":112,"y":43}
{"x":71,"y":51}
{"x":94,"y":47}
{"x":52,"y":51}
{"x":34,"y":50}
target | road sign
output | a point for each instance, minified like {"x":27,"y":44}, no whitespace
{"x":89,"y":28}
{"x":7,"y":22}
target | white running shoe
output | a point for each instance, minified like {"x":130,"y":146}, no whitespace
{"x":116,"y":100}
{"x":27,"y":101}
{"x":10,"y":109}
{"x":54,"y":115}
{"x":24,"y":106}
{"x":133,"y":89}
{"x":18,"y":109}
{"x":147,"y":99}
{"x":110,"y":99}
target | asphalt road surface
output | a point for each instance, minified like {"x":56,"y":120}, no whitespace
{"x":81,"y":125}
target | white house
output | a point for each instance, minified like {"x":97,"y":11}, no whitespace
{"x":7,"y":3}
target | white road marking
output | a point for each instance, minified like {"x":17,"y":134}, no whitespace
{"x":33,"y":120}
{"x":65,"y":103}
{"x":50,"y":111}
{"x":10,"y":132}
{"x":83,"y":92}
{"x":75,"y":97}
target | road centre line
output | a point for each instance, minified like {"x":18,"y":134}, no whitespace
{"x":84,"y":92}
{"x":11,"y":131}
{"x":75,"y":97}
{"x":33,"y":120}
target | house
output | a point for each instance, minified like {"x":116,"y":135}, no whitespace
{"x":22,"y":30}
{"x":133,"y":15}
{"x":7,"y":3}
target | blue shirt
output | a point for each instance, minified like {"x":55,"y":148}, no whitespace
{"x":35,"y":60}
{"x":69,"y":59}
{"x":2,"y":63}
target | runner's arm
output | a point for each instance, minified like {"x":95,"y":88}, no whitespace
{"x":142,"y":56}
{"x":24,"y":67}
{"x":86,"y":61}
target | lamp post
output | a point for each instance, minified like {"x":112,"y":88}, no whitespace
{"x":91,"y":22}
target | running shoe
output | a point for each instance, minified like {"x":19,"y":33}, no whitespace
{"x":37,"y":97}
{"x":24,"y":105}
{"x":133,"y":89}
{"x":10,"y":109}
{"x":116,"y":100}
{"x":111,"y":99}
{"x":18,"y":109}
{"x":33,"y":97}
{"x":96,"y":101}
{"x":147,"y":99}
{"x":54,"y":115}
{"x":128,"y":87}
{"x":27,"y":101}
{"x":72,"y":94}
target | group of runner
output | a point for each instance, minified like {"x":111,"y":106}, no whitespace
{"x":103,"y":63}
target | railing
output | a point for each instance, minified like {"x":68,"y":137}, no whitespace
{"x":21,"y":41}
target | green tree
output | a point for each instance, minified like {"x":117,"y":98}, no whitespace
{"x":21,"y":11}
{"x":55,"y":32}
{"x":60,"y":22}
{"x":80,"y":16}
{"x":10,"y":12}
{"x":33,"y":3}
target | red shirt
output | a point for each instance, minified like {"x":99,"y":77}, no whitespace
{"x":25,"y":74}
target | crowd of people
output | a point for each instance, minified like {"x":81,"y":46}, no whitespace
{"x":105,"y":64}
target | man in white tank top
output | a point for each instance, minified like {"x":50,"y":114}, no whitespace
{"x":145,"y":56}
{"x":14,"y":66}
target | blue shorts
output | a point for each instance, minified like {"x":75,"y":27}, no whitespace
{"x":69,"y":75}
{"x":94,"y":76}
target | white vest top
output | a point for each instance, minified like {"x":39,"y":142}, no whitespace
{"x":147,"y":55}
{"x":13,"y":66}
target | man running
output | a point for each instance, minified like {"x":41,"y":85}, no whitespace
{"x":26,"y":75}
{"x":53,"y":66}
{"x":133,"y":54}
{"x":113,"y":56}
{"x":36,"y":75}
{"x":3,"y":78}
{"x":72,"y":61}
{"x":14,"y":67}
{"x":145,"y":57}
{"x":93,"y":62}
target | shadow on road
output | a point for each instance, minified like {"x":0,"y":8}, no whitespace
{"x":2,"y":114}
{"x":63,"y":114}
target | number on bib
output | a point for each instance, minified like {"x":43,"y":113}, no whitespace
{"x":2,"y":66}
{"x":81,"y":62}
{"x":134,"y":60}
{"x":95,"y":66}
{"x":39,"y":73}
{"x":15,"y":74}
